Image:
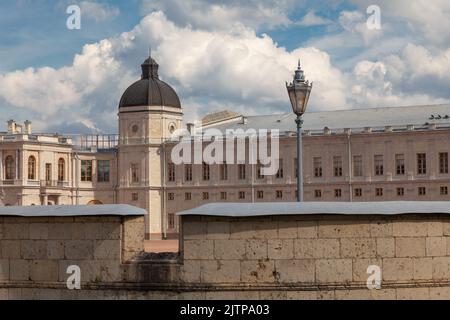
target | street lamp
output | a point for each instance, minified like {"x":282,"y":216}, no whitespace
{"x":299,"y":91}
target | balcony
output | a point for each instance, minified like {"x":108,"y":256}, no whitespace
{"x":54,"y":184}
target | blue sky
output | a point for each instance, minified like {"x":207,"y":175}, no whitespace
{"x":217,"y":55}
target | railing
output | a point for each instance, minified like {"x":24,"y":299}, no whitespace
{"x":93,"y":142}
{"x":54,"y":183}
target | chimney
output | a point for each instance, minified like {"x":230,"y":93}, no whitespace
{"x":244,"y":120}
{"x":190,"y":126}
{"x":27,"y":127}
{"x":11,"y":126}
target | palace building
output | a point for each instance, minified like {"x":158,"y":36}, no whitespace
{"x":377,"y":154}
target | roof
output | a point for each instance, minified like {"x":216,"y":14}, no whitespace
{"x":219,"y":116}
{"x":150,"y":90}
{"x":340,"y":119}
{"x":309,"y":208}
{"x":72,"y":211}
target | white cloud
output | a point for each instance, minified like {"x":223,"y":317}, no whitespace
{"x":312,"y":19}
{"x":98,"y":11}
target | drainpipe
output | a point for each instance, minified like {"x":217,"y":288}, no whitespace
{"x":163,"y":218}
{"x":253,"y":168}
{"x":77,"y":184}
{"x":350,"y":173}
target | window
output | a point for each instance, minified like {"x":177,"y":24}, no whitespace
{"x":317,"y":165}
{"x":295,"y":168}
{"x":62,"y":169}
{"x":337,"y":166}
{"x":379,"y":192}
{"x":421,"y":163}
{"x":443,"y":162}
{"x":188,"y":172}
{"x":135,"y":196}
{"x":10,"y":170}
{"x":223,"y":171}
{"x":378,"y":161}
{"x":31,"y":168}
{"x":206,"y":171}
{"x":400,"y":192}
{"x":421,"y":191}
{"x":280,"y":172}
{"x":279,"y":194}
{"x":102,"y":171}
{"x":241,"y":171}
{"x":337,"y":193}
{"x":171,"y":196}
{"x":48,"y":172}
{"x":171,"y":171}
{"x":86,"y":170}
{"x":134,"y":173}
{"x":187,"y":196}
{"x":259,"y":170}
{"x":205,"y":195}
{"x":317,"y":193}
{"x":241,"y":194}
{"x":223,"y":196}
{"x":444,"y":191}
{"x":400,"y":164}
{"x":171,"y":221}
{"x":357,"y":166}
{"x":260,"y":194}
{"x":358,"y":192}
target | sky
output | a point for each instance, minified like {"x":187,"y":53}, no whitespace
{"x":218,"y":55}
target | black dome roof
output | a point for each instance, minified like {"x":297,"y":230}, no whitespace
{"x":150,"y":91}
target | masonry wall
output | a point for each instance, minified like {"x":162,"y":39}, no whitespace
{"x":35,"y":252}
{"x":318,"y":257}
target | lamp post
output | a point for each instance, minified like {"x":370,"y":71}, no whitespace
{"x":299,"y":90}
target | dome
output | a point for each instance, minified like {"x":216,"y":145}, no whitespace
{"x":149,"y":91}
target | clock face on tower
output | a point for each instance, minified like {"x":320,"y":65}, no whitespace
{"x":134,"y":129}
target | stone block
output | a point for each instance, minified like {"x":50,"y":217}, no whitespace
{"x":307,"y":229}
{"x":301,"y":295}
{"x":287,"y":229}
{"x":413,"y":293}
{"x":190,"y":271}
{"x":410,"y":247}
{"x":110,"y":270}
{"x":423,"y":268}
{"x":199,"y":249}
{"x":273,"y":295}
{"x":12,"y":231}
{"x":334,"y":270}
{"x":293,"y":271}
{"x":258,"y":271}
{"x":256,"y":249}
{"x":280,"y":249}
{"x":220,"y":271}
{"x":266,"y":230}
{"x":440,"y":293}
{"x":417,"y":228}
{"x":79,"y":249}
{"x":316,"y":248}
{"x":435,"y":228}
{"x":194,"y":230}
{"x":4,"y":270}
{"x":218,"y":230}
{"x":39,"y":231}
{"x":60,"y":231}
{"x":229,"y":249}
{"x":343,"y":229}
{"x":10,"y":249}
{"x":111,"y":230}
{"x":441,"y":268}
{"x":242,"y":230}
{"x":33,"y":249}
{"x":398,"y":269}
{"x":436,"y":246}
{"x":385,"y":247}
{"x":381,"y":228}
{"x":43,"y":270}
{"x":358,"y":247}
{"x":55,"y":249}
{"x":19,"y":270}
{"x":107,"y":249}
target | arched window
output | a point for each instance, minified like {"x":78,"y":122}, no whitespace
{"x":61,"y":169}
{"x":31,"y":168}
{"x":9,"y":168}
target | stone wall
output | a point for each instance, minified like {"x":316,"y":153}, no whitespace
{"x":276,"y":257}
{"x":320,"y":256}
{"x":35,"y":252}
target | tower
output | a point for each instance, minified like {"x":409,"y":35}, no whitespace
{"x":149,"y":111}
